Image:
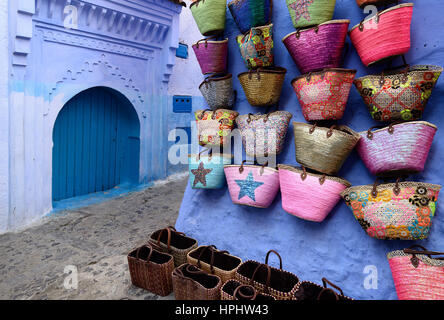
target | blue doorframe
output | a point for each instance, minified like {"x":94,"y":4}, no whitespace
{"x":96,"y":144}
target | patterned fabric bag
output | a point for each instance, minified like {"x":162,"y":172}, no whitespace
{"x":234,"y":290}
{"x":214,"y":127}
{"x":256,"y":47}
{"x":310,"y":291}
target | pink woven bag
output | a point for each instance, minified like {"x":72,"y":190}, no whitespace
{"x":211,"y":55}
{"x":398,"y":149}
{"x":309,"y":196}
{"x":251,"y":185}
{"x":416,"y":274}
{"x":385,"y":35}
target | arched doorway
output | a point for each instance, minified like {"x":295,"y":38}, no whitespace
{"x":96,"y":144}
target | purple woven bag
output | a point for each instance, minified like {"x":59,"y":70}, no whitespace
{"x":319,"y":47}
{"x":211,"y":55}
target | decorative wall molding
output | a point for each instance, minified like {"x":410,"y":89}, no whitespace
{"x":23,"y":32}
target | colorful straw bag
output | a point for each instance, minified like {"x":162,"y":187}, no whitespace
{"x":191,"y":283}
{"x":218,"y":91}
{"x":305,"y":13}
{"x":176,"y":243}
{"x":394,"y":211}
{"x":263,"y":87}
{"x":250,"y":13}
{"x":399,"y":95}
{"x":250,"y":185}
{"x":322,"y":149}
{"x":207,"y":171}
{"x":309,"y":291}
{"x":363,"y":3}
{"x":264,"y":135}
{"x":385,"y":35}
{"x":214,"y":127}
{"x":278,"y":283}
{"x":209,"y":16}
{"x":211,"y":55}
{"x":234,"y":290}
{"x":151,"y":270}
{"x":319,"y":47}
{"x":256,"y":47}
{"x":323,"y":95}
{"x":217,"y":262}
{"x":309,"y":196}
{"x":417,"y":274}
{"x":398,"y":149}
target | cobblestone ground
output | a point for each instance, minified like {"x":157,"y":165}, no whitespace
{"x":95,"y":239}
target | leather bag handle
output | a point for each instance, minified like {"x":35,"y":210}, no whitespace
{"x":238,"y":292}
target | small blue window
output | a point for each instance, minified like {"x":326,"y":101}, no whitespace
{"x":182,"y":51}
{"x":182,"y":104}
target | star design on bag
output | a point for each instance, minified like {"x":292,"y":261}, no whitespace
{"x":199,"y":174}
{"x":301,"y":9}
{"x":248,"y":187}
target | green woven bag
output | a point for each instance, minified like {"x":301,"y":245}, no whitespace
{"x":209,"y":16}
{"x":306,"y":13}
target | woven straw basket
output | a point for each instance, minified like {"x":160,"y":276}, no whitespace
{"x":319,"y":47}
{"x":398,"y":149}
{"x":213,"y":261}
{"x":263,"y":87}
{"x":322,"y":149}
{"x":383,"y":36}
{"x":305,"y":13}
{"x":363,"y":3}
{"x":309,"y":196}
{"x":264,"y":135}
{"x":209,"y":16}
{"x":399,"y":95}
{"x":394,"y":211}
{"x":207,"y":171}
{"x":251,"y":185}
{"x":214,"y":127}
{"x":250,"y":13}
{"x":256,"y":47}
{"x":218,"y":91}
{"x":323,"y":95}
{"x":212,"y":55}
{"x":309,"y":291}
{"x":234,"y":290}
{"x":417,"y":274}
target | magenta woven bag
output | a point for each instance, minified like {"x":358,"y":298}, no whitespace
{"x":211,"y":55}
{"x":397,"y":149}
{"x":319,"y":47}
{"x":251,"y":185}
{"x":417,"y":274}
{"x":309,"y":196}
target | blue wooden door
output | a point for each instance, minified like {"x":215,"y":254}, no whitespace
{"x":96,"y":144}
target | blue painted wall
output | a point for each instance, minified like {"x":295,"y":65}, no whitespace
{"x":337,"y":248}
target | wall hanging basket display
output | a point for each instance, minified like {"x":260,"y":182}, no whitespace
{"x":278,"y":283}
{"x":323,"y":149}
{"x":417,"y":273}
{"x":251,"y":185}
{"x":176,"y":243}
{"x":383,"y":36}
{"x":251,"y":13}
{"x":398,"y":95}
{"x":309,"y":196}
{"x":207,"y":171}
{"x":398,"y":149}
{"x":319,"y":47}
{"x":209,"y":16}
{"x":401,"y":210}
{"x":256,"y":47}
{"x":151,"y":270}
{"x":305,"y":13}
{"x":234,"y":290}
{"x":218,"y":91}
{"x":212,"y":55}
{"x":309,"y":291}
{"x":323,"y":95}
{"x":263,"y":87}
{"x":191,"y":283}
{"x":363,"y":3}
{"x":217,"y":262}
{"x":264,"y":135}
{"x":214,"y":127}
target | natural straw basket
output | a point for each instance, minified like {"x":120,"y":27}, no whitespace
{"x":209,"y":16}
{"x":309,"y":196}
{"x":256,"y":47}
{"x":398,"y":149}
{"x":319,"y":47}
{"x":322,"y":149}
{"x":234,"y":290}
{"x":383,"y":36}
{"x":250,"y":13}
{"x":218,"y":91}
{"x":323,"y":95}
{"x":309,"y":291}
{"x":211,"y":55}
{"x":207,"y":171}
{"x":263,"y":87}
{"x":305,"y":13}
{"x":401,"y":210}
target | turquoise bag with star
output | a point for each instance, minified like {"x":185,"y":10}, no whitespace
{"x":207,"y":171}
